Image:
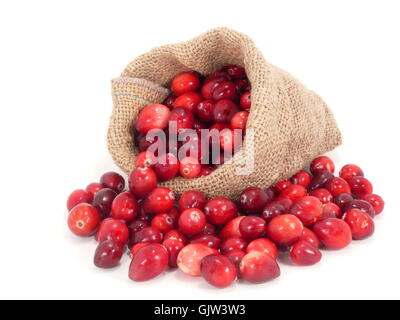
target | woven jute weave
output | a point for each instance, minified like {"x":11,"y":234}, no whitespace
{"x":291,"y":124}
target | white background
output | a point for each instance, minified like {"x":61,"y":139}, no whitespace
{"x":56,"y":62}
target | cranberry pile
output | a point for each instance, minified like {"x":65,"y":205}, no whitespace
{"x":217,"y":238}
{"x":199,"y":126}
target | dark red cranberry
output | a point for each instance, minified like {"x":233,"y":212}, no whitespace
{"x":252,"y":227}
{"x":191,"y":221}
{"x":174,"y":246}
{"x":310,"y":237}
{"x":142,"y":181}
{"x":209,"y":229}
{"x":231,"y":229}
{"x":334,"y":233}
{"x":189,"y":101}
{"x":276,"y":208}
{"x":113,"y":181}
{"x":148,"y":234}
{"x":108,"y":254}
{"x":154,"y":116}
{"x":285,"y":229}
{"x":331,"y":210}
{"x":322,"y":163}
{"x":210,"y":85}
{"x":342,"y":200}
{"x":167,"y":167}
{"x":192,"y":199}
{"x":204,"y":110}
{"x":363,"y":205}
{"x":225,"y":90}
{"x":308,"y":209}
{"x":207,"y":239}
{"x":182,"y":117}
{"x":224,"y":110}
{"x":137,"y":225}
{"x":253,"y":200}
{"x":235,"y":71}
{"x":245,"y":100}
{"x":361,"y":224}
{"x":190,"y":257}
{"x":303,"y":253}
{"x":221,"y":74}
{"x":220,"y":210}
{"x":185,"y":82}
{"x":83,"y":219}
{"x":263,"y":245}
{"x":103,"y":200}
{"x":174,"y":213}
{"x":114,"y":230}
{"x":349,"y":171}
{"x":258,"y":267}
{"x":124,"y":207}
{"x":236,"y":256}
{"x":232,"y":244}
{"x":145,"y":141}
{"x":376,"y":201}
{"x":302,"y":178}
{"x":169,"y":101}
{"x":320,"y":179}
{"x":77,"y":197}
{"x":242,"y":84}
{"x":94,"y":187}
{"x":322,"y":194}
{"x":205,"y":171}
{"x":282,"y":185}
{"x":337,"y":186}
{"x":159,"y":200}
{"x":360,"y":186}
{"x":163,"y":222}
{"x":218,"y":270}
{"x":189,"y":167}
{"x":294,"y":192}
{"x":198,"y":126}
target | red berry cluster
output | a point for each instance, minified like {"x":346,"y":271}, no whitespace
{"x":217,"y":238}
{"x":217,"y":106}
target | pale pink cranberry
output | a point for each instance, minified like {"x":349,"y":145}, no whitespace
{"x":303,"y":253}
{"x":361,"y":224}
{"x":190,"y":257}
{"x":263,"y":245}
{"x":258,"y":267}
{"x":218,"y":270}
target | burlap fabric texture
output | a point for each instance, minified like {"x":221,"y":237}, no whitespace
{"x":291,"y":124}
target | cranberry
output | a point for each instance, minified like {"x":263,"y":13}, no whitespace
{"x":263,"y":245}
{"x":185,"y":82}
{"x":252,"y":227}
{"x":322,"y":163}
{"x":145,"y":141}
{"x":210,"y":85}
{"x":135,"y":249}
{"x":174,"y":214}
{"x":103,"y":200}
{"x":376,"y":201}
{"x":174,"y":246}
{"x":224,"y":110}
{"x":190,"y":257}
{"x":167,"y":167}
{"x":103,"y":222}
{"x":349,"y":171}
{"x":205,"y":171}
{"x":137,"y":225}
{"x":113,"y":181}
{"x":204,"y":110}
{"x":294,"y":192}
{"x":235,"y":256}
{"x":362,"y":205}
{"x":239,"y":120}
{"x":225,"y":90}
{"x":124,"y":207}
{"x":258,"y":267}
{"x":218,"y":270}
{"x":342,"y":200}
{"x":163,"y":222}
{"x":236,"y":72}
{"x":231,"y":140}
{"x":145,"y":159}
{"x":232,"y":244}
{"x":231,"y":229}
{"x":285,"y":229}
{"x":176,"y":235}
{"x":188,"y":101}
{"x":142,"y":181}
{"x":94,"y":187}
{"x":208,"y":240}
{"x":220,"y":210}
{"x":77,"y":197}
{"x":108,"y":254}
{"x":189,"y":167}
{"x":361,"y":224}
{"x":221,"y":74}
{"x":159,"y":200}
{"x":308,"y":209}
{"x":192,"y":199}
{"x":360,"y":186}
{"x":114,"y":230}
{"x":149,"y":262}
{"x":334,"y":233}
{"x":337,"y":186}
{"x":282,"y":185}
{"x":198,"y":126}
{"x":83,"y":219}
{"x":253,"y":200}
{"x":182,"y":117}
{"x":191,"y":221}
{"x":310,"y":237}
{"x":302,"y":178}
{"x":169,"y":101}
{"x":303,"y":253}
{"x":148,"y":234}
{"x":322,"y":194}
{"x":209,"y":229}
{"x":276,"y":208}
{"x":245,"y":100}
{"x":152,"y":117}
{"x":331,"y":210}
{"x":242,"y":85}
{"x":320,"y":179}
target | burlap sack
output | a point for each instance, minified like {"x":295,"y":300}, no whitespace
{"x":292,"y":124}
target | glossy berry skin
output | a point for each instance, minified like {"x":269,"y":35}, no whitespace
{"x":258,"y":267}
{"x":114,"y":230}
{"x":361,"y":224}
{"x":169,"y":101}
{"x":231,"y":229}
{"x":135,"y":249}
{"x":252,"y":227}
{"x":337,"y":186}
{"x":190,"y":257}
{"x":232,"y":244}
{"x":239,"y":120}
{"x":276,"y":208}
{"x":360,"y":186}
{"x":145,"y":159}
{"x":253,"y":200}
{"x":137,"y":225}
{"x":218,"y":270}
{"x":302,"y":178}
{"x":103,"y":200}
{"x":376,"y":201}
{"x":142,"y":181}
{"x":242,"y":85}
{"x":210,"y":85}
{"x":77,"y":197}
{"x":361,"y":205}
{"x":308,"y":209}
{"x":108,"y":254}
{"x":94,"y":187}
{"x":294,"y":192}
{"x":285,"y":229}
{"x":225,"y":90}
{"x":331,"y":210}
{"x":263,"y":245}
{"x":145,"y":141}
{"x":152,"y":117}
{"x":208,"y":240}
{"x":174,"y":246}
{"x":220,"y":210}
{"x":159,"y":200}
{"x":174,"y":214}
{"x":245,"y":100}
{"x":148,"y":234}
{"x":199,"y":125}
{"x":322,"y":194}
{"x":205,"y":171}
{"x":231,"y":140}
{"x":334,"y":233}
{"x":167,"y":167}
{"x":224,"y":110}
{"x":83,"y":220}
{"x":185,"y":82}
{"x":149,"y":262}
{"x":204,"y":110}
{"x":182,"y":117}
{"x":349,"y":171}
{"x":163,"y":222}
{"x":320,"y":179}
{"x":310,"y":237}
{"x":189,"y":167}
{"x":176,"y":235}
{"x":191,"y":221}
{"x":124,"y":207}
{"x":322,"y":163}
{"x":303,"y":253}
{"x":188,"y":101}
{"x":235,"y":71}
{"x":192,"y":199}
{"x":235,"y":256}
{"x":282,"y":185}
{"x":343,"y":200}
{"x":113,"y":181}
{"x":222,"y":74}
{"x":209,"y":229}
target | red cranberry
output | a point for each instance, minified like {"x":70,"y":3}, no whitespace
{"x":322,"y":194}
{"x":320,"y":179}
{"x":282,"y":185}
{"x":331,"y":210}
{"x":276,"y":208}
{"x":208,"y":240}
{"x":239,"y":120}
{"x":148,"y":234}
{"x":376,"y":201}
{"x":307,"y":209}
{"x":322,"y":163}
{"x":334,"y":233}
{"x":224,"y":110}
{"x":152,"y":117}
{"x":183,"y":117}
{"x":191,"y":221}
{"x":218,"y":270}
{"x":231,"y":140}
{"x":188,"y":101}
{"x":361,"y":224}
{"x":94,"y":187}
{"x":108,"y":254}
{"x":337,"y":186}
{"x":103,"y":222}
{"x":360,"y":186}
{"x":137,"y":225}
{"x":285,"y":229}
{"x":142,"y":181}
{"x":145,"y":159}
{"x":210,"y":85}
{"x":167,"y":167}
{"x":103,"y":200}
{"x":209,"y":229}
{"x":303,"y":253}
{"x":253,"y":200}
{"x":235,"y":256}
{"x":221,"y":74}
{"x":163,"y":222}
{"x":205,"y":171}
{"x":220,"y":210}
{"x":258,"y":267}
{"x":362,"y":205}
{"x":124,"y":207}
{"x":190,"y":257}
{"x":113,"y":181}
{"x":252,"y":227}
{"x":145,"y":141}
{"x":77,"y":197}
{"x":114,"y":230}
{"x":159,"y":200}
{"x":294,"y":192}
{"x":198,"y":126}
{"x":245,"y":100}
{"x":342,"y":200}
{"x":83,"y":220}
{"x":302,"y":178}
{"x":232,"y":244}
{"x":169,"y":101}
{"x":174,"y":246}
{"x":225,"y":90}
{"x":349,"y":171}
{"x":149,"y":262}
{"x":310,"y":237}
{"x":231,"y":229}
{"x":135,"y":249}
{"x":204,"y":110}
{"x":174,"y":214}
{"x":242,"y":85}
{"x":236,"y":72}
{"x":176,"y":235}
{"x":185,"y":82}
{"x":192,"y":199}
{"x":189,"y":167}
{"x":263,"y":245}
